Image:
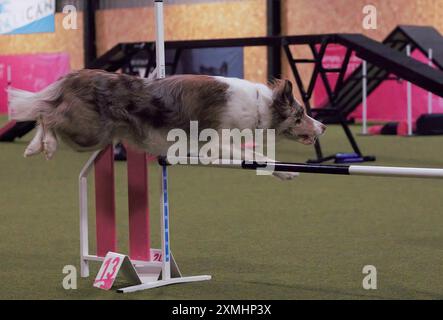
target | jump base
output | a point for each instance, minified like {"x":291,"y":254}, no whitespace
{"x":140,"y":274}
{"x":161,"y":283}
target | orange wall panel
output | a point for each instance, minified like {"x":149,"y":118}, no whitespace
{"x":246,"y":18}
{"x":243,"y":18}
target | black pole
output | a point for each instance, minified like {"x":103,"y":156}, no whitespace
{"x":90,"y":52}
{"x":276,"y":166}
{"x":273,"y":23}
{"x":298,"y":167}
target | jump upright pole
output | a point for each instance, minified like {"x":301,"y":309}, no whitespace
{"x":379,"y":171}
{"x":161,"y":73}
{"x":167,"y":277}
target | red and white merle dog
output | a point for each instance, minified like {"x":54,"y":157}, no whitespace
{"x":89,"y":109}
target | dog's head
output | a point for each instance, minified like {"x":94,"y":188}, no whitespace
{"x":290,"y":118}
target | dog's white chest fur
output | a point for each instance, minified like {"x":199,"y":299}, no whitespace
{"x":248,"y":104}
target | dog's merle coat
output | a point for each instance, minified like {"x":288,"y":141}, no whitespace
{"x":89,"y":109}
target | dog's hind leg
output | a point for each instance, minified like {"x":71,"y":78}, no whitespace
{"x":44,"y":140}
{"x":36,"y":144}
{"x":49,"y":143}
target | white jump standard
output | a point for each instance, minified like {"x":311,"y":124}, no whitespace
{"x":149,"y":272}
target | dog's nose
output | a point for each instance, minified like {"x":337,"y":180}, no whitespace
{"x":322,"y":128}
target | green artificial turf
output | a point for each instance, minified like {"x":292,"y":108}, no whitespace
{"x":260,"y":238}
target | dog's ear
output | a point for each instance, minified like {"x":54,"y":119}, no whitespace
{"x":283,"y":91}
{"x":287,"y":91}
{"x":283,"y":97}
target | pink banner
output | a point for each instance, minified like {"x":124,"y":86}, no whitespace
{"x":31,"y":72}
{"x":388,"y":101}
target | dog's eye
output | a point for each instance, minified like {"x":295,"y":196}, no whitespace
{"x":299,"y":119}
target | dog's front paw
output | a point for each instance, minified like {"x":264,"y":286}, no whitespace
{"x":285,"y":175}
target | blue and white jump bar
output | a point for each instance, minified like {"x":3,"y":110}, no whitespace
{"x":354,"y":170}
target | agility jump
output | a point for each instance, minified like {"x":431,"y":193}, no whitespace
{"x":153,"y":264}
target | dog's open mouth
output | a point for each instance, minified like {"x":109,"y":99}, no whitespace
{"x":306,"y":139}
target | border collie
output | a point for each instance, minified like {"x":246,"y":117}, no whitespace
{"x":89,"y":109}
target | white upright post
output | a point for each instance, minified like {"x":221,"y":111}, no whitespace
{"x":364,"y":97}
{"x":9,"y":85}
{"x":409,"y":97}
{"x":429,"y":92}
{"x":161,"y":73}
{"x":83,"y":201}
{"x":159,"y":39}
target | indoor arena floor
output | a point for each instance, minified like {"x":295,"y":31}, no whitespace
{"x":260,"y":238}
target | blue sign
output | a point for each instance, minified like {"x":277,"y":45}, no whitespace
{"x":27,"y":16}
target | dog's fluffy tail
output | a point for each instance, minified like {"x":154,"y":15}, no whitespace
{"x":28,"y":106}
